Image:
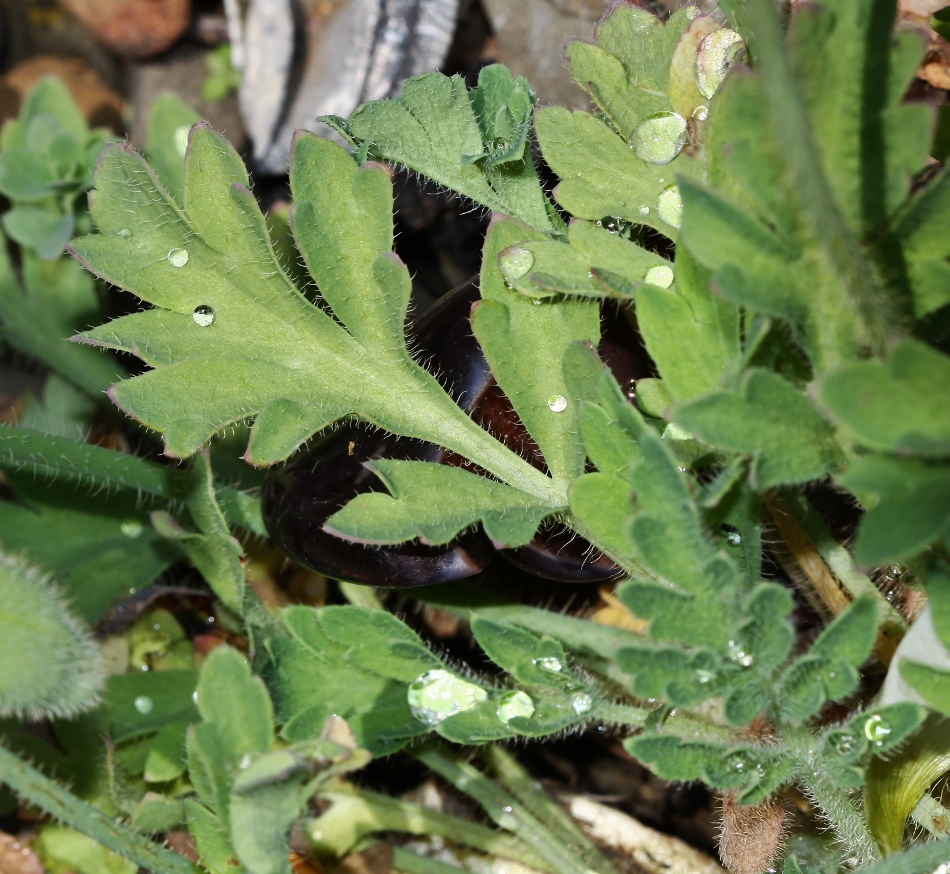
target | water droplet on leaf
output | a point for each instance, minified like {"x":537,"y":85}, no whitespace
{"x":717,"y":53}
{"x":737,"y":653}
{"x":438,"y":694}
{"x":669,"y":206}
{"x":516,"y":262}
{"x":144,"y":704}
{"x":203,"y":316}
{"x":548,"y":664}
{"x":177,"y":257}
{"x":513,"y":705}
{"x":125,"y":233}
{"x":700,"y":113}
{"x":659,"y":138}
{"x":582,"y":704}
{"x":245,"y":762}
{"x":644,"y":210}
{"x":132,"y":528}
{"x":661,"y":275}
{"x":876,"y":729}
{"x":557,"y":403}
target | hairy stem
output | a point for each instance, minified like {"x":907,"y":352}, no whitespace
{"x":23,"y":450}
{"x":38,"y":789}
{"x":834,"y":804}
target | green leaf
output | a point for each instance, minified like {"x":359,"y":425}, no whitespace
{"x":45,"y":230}
{"x":829,"y":670}
{"x":83,"y":467}
{"x":169,"y":121}
{"x":769,"y":419}
{"x":49,"y":666}
{"x":922,"y":229}
{"x":908,"y":506}
{"x":433,"y":129}
{"x":24,"y":175}
{"x":503,"y":107}
{"x":51,"y":97}
{"x":211,"y":840}
{"x":377,"y":641}
{"x":228,"y":317}
{"x":55,"y":299}
{"x":605,"y":177}
{"x":157,"y":814}
{"x":603,"y":503}
{"x":932,"y":683}
{"x":434,"y":503}
{"x":148,"y":701}
{"x":692,"y":335}
{"x":891,"y":406}
{"x":547,"y":267}
{"x":98,"y":550}
{"x":166,"y":754}
{"x":525,"y":344}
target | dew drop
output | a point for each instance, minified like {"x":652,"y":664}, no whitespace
{"x":514,"y":705}
{"x":132,"y":528}
{"x":717,"y":53}
{"x":644,"y":211}
{"x":537,"y":301}
{"x":737,"y":762}
{"x":734,"y":537}
{"x":515,"y":262}
{"x":845,"y":743}
{"x":125,"y":233}
{"x":582,"y":703}
{"x":704,"y":676}
{"x":245,"y":762}
{"x":700,"y":113}
{"x":144,"y":704}
{"x":177,"y":257}
{"x":659,"y":138}
{"x":630,"y":390}
{"x":203,"y":316}
{"x":181,"y":139}
{"x":557,"y":403}
{"x":669,"y":206}
{"x":661,"y":275}
{"x":548,"y":664}
{"x":876,"y":729}
{"x":437,"y":695}
{"x":194,"y":697}
{"x":894,"y":572}
{"x":737,"y":653}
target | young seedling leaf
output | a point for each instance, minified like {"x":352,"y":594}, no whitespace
{"x":433,"y":129}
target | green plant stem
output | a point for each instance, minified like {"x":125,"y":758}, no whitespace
{"x":358,"y":813}
{"x":539,"y":804}
{"x":24,"y":450}
{"x":503,"y":809}
{"x":406,"y":862}
{"x":834,"y":804}
{"x":360,"y":596}
{"x":794,"y":130}
{"x":35,"y":787}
